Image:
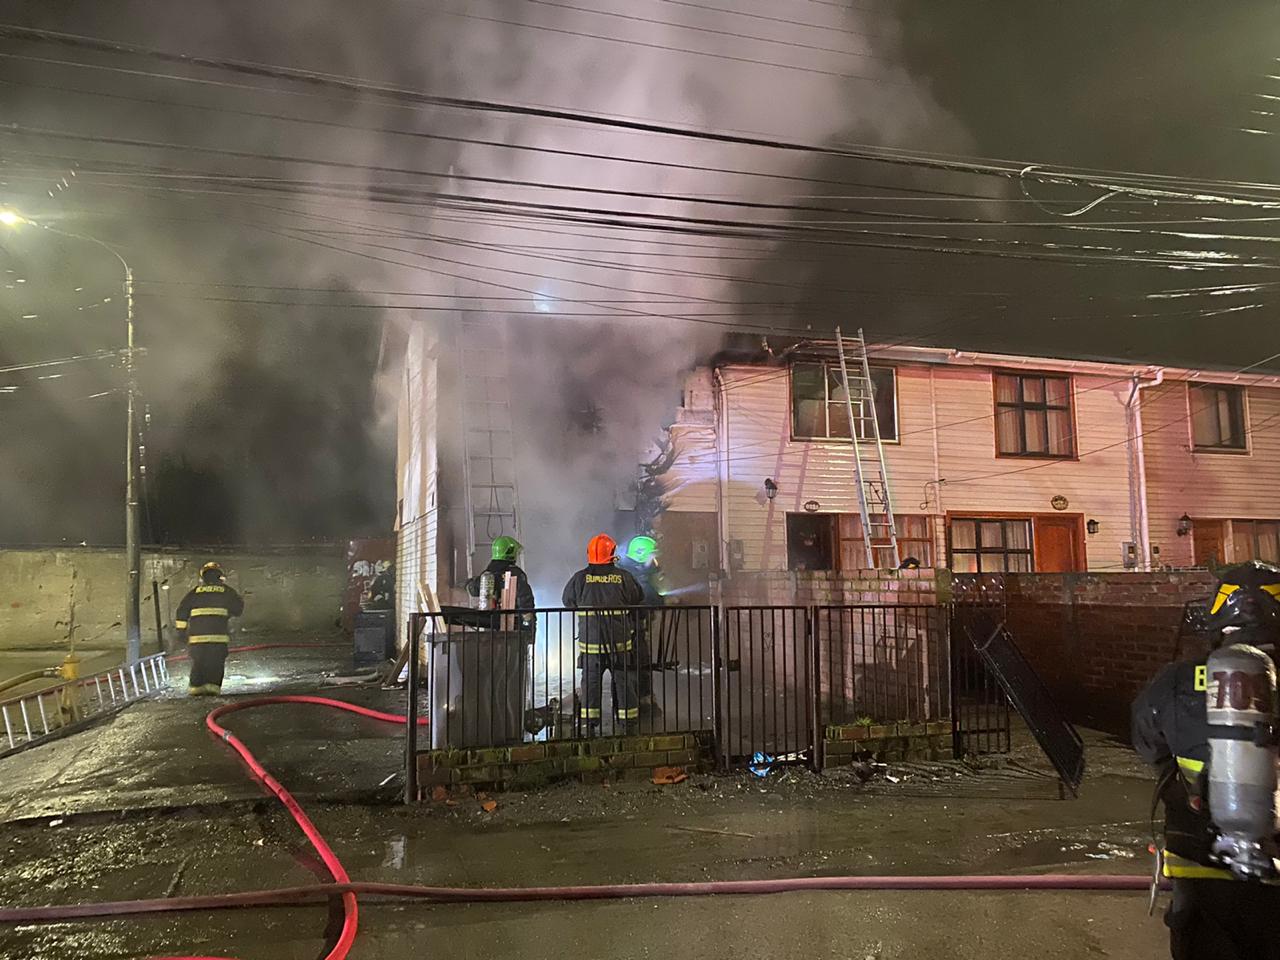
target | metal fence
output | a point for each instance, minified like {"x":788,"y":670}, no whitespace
{"x":500,"y":678}
{"x":881,"y":664}
{"x":767,"y":669}
{"x":765,"y":680}
{"x":31,"y":718}
{"x":981,"y":719}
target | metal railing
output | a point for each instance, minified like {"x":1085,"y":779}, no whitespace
{"x":767,"y":663}
{"x":33,"y":717}
{"x":764,"y":680}
{"x":882,"y":664}
{"x":497,"y":678}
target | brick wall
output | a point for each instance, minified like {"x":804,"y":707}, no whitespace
{"x":1095,"y":638}
{"x":830,"y":588}
{"x":536,"y":764}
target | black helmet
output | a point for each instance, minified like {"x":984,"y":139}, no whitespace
{"x":1248,"y":602}
{"x":211,"y":572}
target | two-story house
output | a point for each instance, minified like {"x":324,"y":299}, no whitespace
{"x":995,"y":462}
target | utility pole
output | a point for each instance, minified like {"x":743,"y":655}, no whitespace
{"x":132,"y":527}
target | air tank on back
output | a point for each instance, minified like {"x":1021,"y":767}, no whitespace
{"x":1240,"y":697}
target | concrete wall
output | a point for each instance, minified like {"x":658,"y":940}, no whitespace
{"x":1095,"y":638}
{"x":296,"y":591}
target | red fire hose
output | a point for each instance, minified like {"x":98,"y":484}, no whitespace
{"x":343,"y":885}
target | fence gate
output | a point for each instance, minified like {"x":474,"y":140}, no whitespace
{"x":981,"y":722}
{"x":766,"y":685}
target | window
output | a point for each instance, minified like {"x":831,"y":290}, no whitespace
{"x":990,"y":546}
{"x":818,"y":410}
{"x":1217,"y":417}
{"x":811,"y":541}
{"x":915,"y":539}
{"x":1033,"y":416}
{"x":1255,"y":540}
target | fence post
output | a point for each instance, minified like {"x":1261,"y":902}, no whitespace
{"x":717,"y":694}
{"x":414,"y":641}
{"x":957,"y":737}
{"x":814,"y":652}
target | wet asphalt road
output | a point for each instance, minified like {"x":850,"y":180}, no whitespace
{"x":65,"y":839}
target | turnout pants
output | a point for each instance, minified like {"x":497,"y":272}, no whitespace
{"x":208,"y":663}
{"x":624,"y":675}
{"x":1223,"y":920}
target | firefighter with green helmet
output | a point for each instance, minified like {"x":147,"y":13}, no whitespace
{"x":505,"y":553}
{"x":641,"y":561}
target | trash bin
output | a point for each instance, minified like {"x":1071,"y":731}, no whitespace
{"x":477,"y":687}
{"x":374,"y":638}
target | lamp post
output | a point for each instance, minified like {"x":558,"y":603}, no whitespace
{"x":132,"y":546}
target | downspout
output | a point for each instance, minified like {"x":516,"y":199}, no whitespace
{"x":940,"y":525}
{"x":1139,"y":516}
{"x":722,"y":470}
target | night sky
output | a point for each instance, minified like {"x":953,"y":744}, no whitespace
{"x":274,"y":257}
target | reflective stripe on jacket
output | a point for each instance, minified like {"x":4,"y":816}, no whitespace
{"x":600,"y":593}
{"x":205,"y":613}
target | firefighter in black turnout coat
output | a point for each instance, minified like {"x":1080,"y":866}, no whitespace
{"x":601,"y":594}
{"x":1213,"y":915}
{"x":203,"y":618}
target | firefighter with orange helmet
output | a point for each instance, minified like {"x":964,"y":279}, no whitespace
{"x":601,"y":592}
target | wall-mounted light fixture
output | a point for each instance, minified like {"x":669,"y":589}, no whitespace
{"x":1184,"y":525}
{"x":1092,"y":526}
{"x":770,"y":488}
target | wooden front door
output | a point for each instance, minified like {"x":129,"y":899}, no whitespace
{"x":1208,"y":543}
{"x":1059,"y":543}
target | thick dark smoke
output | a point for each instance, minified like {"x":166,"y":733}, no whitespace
{"x":265,"y":424}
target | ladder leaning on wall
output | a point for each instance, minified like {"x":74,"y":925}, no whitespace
{"x":489,"y":463}
{"x":871,"y":476}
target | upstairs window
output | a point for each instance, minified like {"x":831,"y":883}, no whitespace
{"x":1217,"y":417}
{"x":818,"y":410}
{"x":1033,"y":416}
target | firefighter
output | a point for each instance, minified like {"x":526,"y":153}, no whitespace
{"x":203,"y":617}
{"x":505,"y":552}
{"x":640,"y":560}
{"x":1214,"y":915}
{"x":600,"y":593}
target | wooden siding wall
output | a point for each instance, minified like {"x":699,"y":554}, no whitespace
{"x":758,"y":444}
{"x":1206,"y":485}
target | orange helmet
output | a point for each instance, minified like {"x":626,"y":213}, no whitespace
{"x":601,"y":549}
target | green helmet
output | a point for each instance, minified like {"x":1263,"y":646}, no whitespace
{"x":506,"y":548}
{"x":641,"y":549}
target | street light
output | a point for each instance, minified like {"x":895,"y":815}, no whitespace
{"x":132,"y":548}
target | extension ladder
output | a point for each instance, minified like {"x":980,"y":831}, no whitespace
{"x":871,"y":475}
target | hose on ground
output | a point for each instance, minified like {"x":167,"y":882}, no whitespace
{"x":344,"y":887}
{"x":293,"y":896}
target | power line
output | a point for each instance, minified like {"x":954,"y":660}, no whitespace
{"x":721,"y":33}
{"x":498,"y":144}
{"x":42,"y":364}
{"x":564,"y":32}
{"x":1121,"y":183}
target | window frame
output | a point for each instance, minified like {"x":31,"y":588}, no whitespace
{"x":978,"y":551}
{"x":1022,"y":405}
{"x":901,"y":521}
{"x":1238,"y":390}
{"x":1237,"y":525}
{"x":827,"y":366}
{"x":833,"y":539}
